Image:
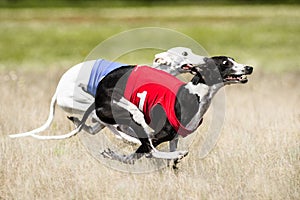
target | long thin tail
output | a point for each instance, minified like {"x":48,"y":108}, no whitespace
{"x":73,"y":132}
{"x":43,"y":127}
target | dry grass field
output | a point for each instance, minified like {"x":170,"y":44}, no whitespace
{"x":257,"y":155}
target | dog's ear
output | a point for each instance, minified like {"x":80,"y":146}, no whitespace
{"x":210,"y":64}
{"x":207,"y":73}
{"x":197,"y":79}
{"x":205,"y":68}
{"x":199,"y":72}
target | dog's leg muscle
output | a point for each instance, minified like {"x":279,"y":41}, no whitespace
{"x":137,"y":116}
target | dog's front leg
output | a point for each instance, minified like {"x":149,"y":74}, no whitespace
{"x":173,"y":154}
{"x":137,"y":116}
{"x":173,"y":147}
{"x":143,"y":149}
{"x":129,"y":159}
{"x":173,"y":144}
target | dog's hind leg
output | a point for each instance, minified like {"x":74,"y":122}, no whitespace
{"x":43,"y":127}
{"x":89,"y":129}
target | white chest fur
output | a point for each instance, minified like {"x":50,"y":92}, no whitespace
{"x":202,"y":91}
{"x":206,"y":93}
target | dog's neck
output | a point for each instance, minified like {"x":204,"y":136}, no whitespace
{"x":200,"y":89}
{"x":203,"y":91}
{"x":205,"y":94}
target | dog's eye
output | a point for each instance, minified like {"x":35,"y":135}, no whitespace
{"x":225,"y":62}
{"x":184,"y":53}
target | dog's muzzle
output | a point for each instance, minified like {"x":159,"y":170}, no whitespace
{"x":248,"y":70}
{"x":239,"y":78}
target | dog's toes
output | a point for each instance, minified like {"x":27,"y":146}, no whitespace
{"x":130,"y":162}
{"x":175,"y":165}
{"x":106,"y":154}
{"x":182,"y":154}
{"x":75,"y":120}
{"x":185,"y":153}
{"x":71,"y":118}
{"x":110,"y":151}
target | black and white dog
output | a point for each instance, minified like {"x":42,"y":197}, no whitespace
{"x":159,"y":107}
{"x":75,"y":92}
{"x":149,"y":106}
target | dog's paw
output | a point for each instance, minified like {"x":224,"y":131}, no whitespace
{"x":75,"y":120}
{"x":71,"y":118}
{"x":182,"y":154}
{"x":114,"y":156}
{"x":107,"y":153}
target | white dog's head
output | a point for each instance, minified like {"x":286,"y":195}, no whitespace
{"x":175,"y":59}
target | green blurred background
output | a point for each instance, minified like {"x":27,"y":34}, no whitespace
{"x":113,"y":3}
{"x":60,"y":33}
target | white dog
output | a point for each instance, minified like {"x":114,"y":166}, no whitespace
{"x":76,"y":90}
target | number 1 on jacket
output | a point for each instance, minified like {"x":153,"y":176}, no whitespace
{"x":142,"y":97}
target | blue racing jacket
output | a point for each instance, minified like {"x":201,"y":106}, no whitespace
{"x":100,"y":69}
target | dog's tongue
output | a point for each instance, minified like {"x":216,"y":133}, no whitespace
{"x":232,"y":78}
{"x":186,"y":67}
{"x":238,"y":78}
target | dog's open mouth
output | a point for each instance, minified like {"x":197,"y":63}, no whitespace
{"x":236,"y":79}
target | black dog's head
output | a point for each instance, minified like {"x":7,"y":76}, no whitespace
{"x":220,"y":69}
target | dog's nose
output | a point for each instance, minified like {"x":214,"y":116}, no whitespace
{"x":249,"y":69}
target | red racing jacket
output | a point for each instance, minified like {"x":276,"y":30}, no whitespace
{"x":147,"y":87}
